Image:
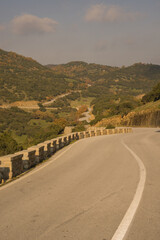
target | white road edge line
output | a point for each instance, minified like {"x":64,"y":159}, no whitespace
{"x":38,"y":169}
{"x":125,"y":224}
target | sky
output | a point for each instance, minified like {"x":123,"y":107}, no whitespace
{"x":109,"y":32}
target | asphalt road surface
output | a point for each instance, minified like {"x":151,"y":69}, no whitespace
{"x":85,"y":190}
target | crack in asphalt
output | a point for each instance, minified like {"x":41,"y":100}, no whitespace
{"x":84,"y":211}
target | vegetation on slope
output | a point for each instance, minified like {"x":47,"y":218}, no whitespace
{"x":145,"y":115}
{"x":153,"y":95}
{"x":111,"y":91}
{"x":23,"y":78}
{"x":114,"y":90}
{"x":22,"y":129}
{"x":8,"y":145}
{"x":101,"y":80}
{"x":82,"y":71}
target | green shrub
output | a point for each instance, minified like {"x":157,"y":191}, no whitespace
{"x":8,"y":145}
{"x":110,"y":126}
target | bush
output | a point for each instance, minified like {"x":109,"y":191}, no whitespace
{"x":110,"y":126}
{"x":8,"y":145}
{"x":79,"y":128}
{"x":153,"y":95}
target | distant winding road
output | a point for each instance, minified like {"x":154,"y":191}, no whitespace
{"x":87,"y":116}
{"x":59,"y":96}
{"x":93,"y":189}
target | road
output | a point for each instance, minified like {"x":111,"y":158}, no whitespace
{"x":28,"y":105}
{"x":35,"y":107}
{"x":60,"y":96}
{"x":87,"y":116}
{"x":84,"y":191}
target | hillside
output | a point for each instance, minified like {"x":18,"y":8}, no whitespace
{"x":147,"y":114}
{"x":153,"y":95}
{"x":23,"y":78}
{"x":21,"y":129}
{"x":81,"y":71}
{"x":113,"y":93}
{"x":113,"y":90}
{"x":136,"y":79}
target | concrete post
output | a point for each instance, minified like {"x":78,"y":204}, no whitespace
{"x":87,"y":134}
{"x":13,"y":163}
{"x":81,"y":135}
{"x":39,"y":154}
{"x":28,"y":159}
{"x":53,"y":146}
{"x":69,"y":138}
{"x":92,"y":133}
{"x":47,"y":149}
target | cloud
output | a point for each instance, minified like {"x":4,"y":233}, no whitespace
{"x":27,"y":24}
{"x":109,"y":13}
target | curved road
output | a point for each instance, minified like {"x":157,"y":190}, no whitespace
{"x":84,"y":191}
{"x":87,"y":116}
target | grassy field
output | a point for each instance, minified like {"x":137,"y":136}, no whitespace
{"x":21,"y":140}
{"x":39,"y":122}
{"x":82,"y":101}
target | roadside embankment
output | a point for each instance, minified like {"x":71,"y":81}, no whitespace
{"x":145,"y":118}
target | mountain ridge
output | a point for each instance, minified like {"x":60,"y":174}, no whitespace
{"x":25,"y":79}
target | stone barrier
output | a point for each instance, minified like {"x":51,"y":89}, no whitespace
{"x":28,"y":159}
{"x":4,"y":174}
{"x":1,"y":176}
{"x":69,"y":138}
{"x":116,"y":131}
{"x":47,"y":149}
{"x":81,"y":135}
{"x":110,"y":131}
{"x":87,"y":134}
{"x":76,"y":136}
{"x":64,"y":141}
{"x":120,"y":130}
{"x":98,"y":132}
{"x":129,"y":130}
{"x":72,"y":136}
{"x":14,"y":164}
{"x":59,"y":143}
{"x":104,"y":132}
{"x":39,"y":153}
{"x":53,"y":146}
{"x":92,"y":133}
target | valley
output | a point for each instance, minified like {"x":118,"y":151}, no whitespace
{"x":75,"y":94}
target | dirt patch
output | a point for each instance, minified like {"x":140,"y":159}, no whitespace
{"x":22,"y":104}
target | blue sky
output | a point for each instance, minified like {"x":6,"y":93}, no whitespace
{"x":110,"y":32}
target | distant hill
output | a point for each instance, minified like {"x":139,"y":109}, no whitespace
{"x":23,"y":78}
{"x":115,"y":90}
{"x":136,"y":79}
{"x":82,"y":71}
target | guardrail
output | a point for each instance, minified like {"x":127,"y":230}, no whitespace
{"x":15,"y":164}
